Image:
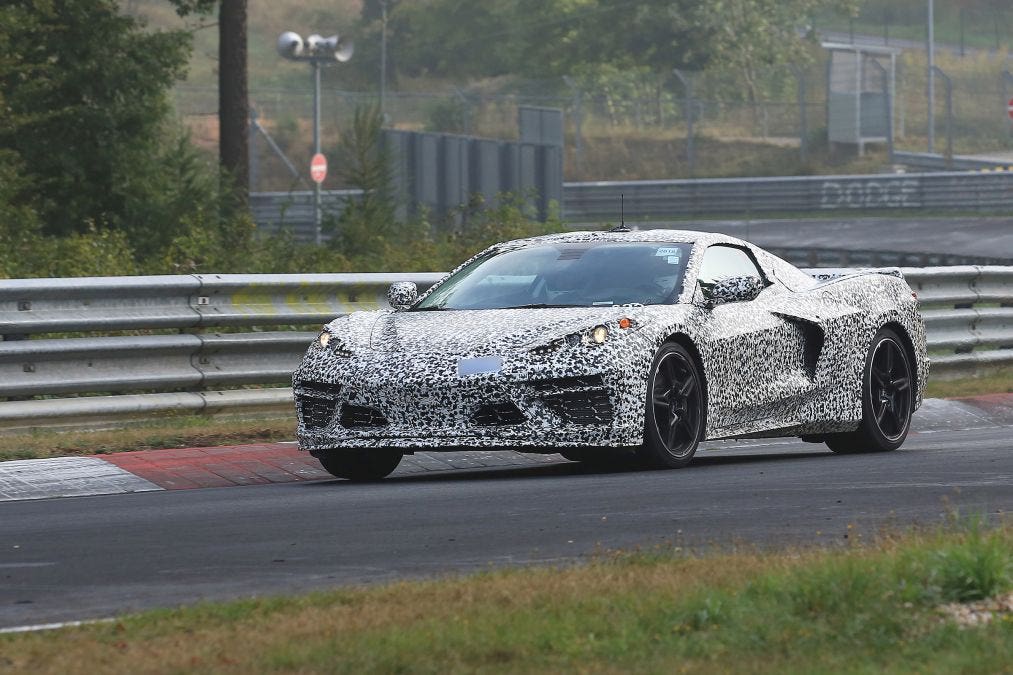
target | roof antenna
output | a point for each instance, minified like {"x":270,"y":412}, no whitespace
{"x":621,"y":227}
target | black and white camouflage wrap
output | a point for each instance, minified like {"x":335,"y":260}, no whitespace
{"x":787,"y":363}
{"x":402,"y":294}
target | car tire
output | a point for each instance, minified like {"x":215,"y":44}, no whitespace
{"x":887,"y":399}
{"x":675,"y":412}
{"x":360,"y":465}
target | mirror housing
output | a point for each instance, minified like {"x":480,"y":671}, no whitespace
{"x":402,"y":294}
{"x":732,"y":289}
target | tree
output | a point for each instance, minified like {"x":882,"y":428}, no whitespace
{"x":233,"y":89}
{"x":549,"y":38}
{"x":84,"y":108}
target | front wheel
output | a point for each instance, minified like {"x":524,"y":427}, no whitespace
{"x":887,"y":399}
{"x":675,"y":410}
{"x":360,"y":465}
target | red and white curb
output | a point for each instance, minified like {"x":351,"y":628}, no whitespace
{"x":152,"y":470}
{"x":66,"y":477}
{"x":190,"y":468}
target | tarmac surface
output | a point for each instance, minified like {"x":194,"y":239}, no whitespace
{"x":986,"y":237}
{"x":79,"y":558}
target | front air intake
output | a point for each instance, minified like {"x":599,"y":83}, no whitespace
{"x":497,"y":415}
{"x":358,"y":416}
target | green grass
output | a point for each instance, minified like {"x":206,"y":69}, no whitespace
{"x":864,"y":609}
{"x":176,"y":431}
{"x":998,"y":381}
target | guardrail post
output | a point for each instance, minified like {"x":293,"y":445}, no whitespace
{"x":949,"y":113}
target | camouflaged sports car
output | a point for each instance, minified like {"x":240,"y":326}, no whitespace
{"x":584,"y":343}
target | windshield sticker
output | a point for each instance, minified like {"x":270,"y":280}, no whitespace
{"x":673,"y":260}
{"x":668,"y":251}
{"x":504,"y":279}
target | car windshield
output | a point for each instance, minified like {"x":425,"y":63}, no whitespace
{"x":579,"y":274}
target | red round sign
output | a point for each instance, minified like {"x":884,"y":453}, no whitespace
{"x":1009,"y":108}
{"x":318,"y":168}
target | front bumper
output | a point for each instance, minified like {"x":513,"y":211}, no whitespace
{"x":385,"y":400}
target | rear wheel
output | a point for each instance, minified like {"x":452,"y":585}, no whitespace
{"x":360,"y":465}
{"x":675,"y":413}
{"x":887,"y":399}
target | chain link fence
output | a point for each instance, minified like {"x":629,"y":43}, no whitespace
{"x":636,"y":127}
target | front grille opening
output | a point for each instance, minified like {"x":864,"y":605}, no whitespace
{"x":497,"y":415}
{"x":316,"y":413}
{"x":325,"y":388}
{"x":581,"y":407}
{"x":556,"y":384}
{"x":353,"y":416}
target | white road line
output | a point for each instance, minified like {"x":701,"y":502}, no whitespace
{"x":51,"y":626}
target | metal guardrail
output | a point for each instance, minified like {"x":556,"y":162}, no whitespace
{"x":937,"y":162}
{"x":656,"y":199}
{"x":598,"y":202}
{"x":189,"y":366}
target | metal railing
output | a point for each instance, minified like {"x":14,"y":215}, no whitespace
{"x":191,"y":343}
{"x":598,"y":202}
{"x":657,"y":199}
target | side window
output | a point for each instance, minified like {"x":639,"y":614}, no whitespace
{"x":726,"y":261}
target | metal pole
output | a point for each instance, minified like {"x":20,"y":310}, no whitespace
{"x":888,"y":100}
{"x":383,"y":57}
{"x":931,"y":49}
{"x":803,"y":135}
{"x":252,"y":143}
{"x":948,"y":83}
{"x":577,"y":120}
{"x":318,"y":234}
{"x":1007,"y":78}
{"x":687,"y":83}
{"x":281,"y":155}
{"x":962,"y":31}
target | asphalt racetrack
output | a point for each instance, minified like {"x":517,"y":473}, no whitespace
{"x":82,"y":558}
{"x":986,"y":237}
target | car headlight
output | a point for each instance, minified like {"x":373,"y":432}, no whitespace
{"x":588,"y":338}
{"x":324,"y":339}
{"x":594,"y":336}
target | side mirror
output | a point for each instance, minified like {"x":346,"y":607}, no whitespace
{"x":732,"y":289}
{"x":402,"y":294}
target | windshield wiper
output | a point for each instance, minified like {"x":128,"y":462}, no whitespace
{"x":433,"y":308}
{"x":539,"y":305}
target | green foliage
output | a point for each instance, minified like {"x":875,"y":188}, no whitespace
{"x":980,"y":566}
{"x":84,"y":90}
{"x":447,"y":115}
{"x":366,"y":222}
{"x":539,"y":38}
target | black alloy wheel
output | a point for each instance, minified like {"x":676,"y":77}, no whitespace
{"x":360,"y":465}
{"x":675,"y":409}
{"x":887,"y":399}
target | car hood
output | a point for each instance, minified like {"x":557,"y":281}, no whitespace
{"x":487,"y":330}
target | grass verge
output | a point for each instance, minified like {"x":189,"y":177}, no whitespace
{"x":863,"y":609}
{"x":171,"y":432}
{"x":997,"y":382}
